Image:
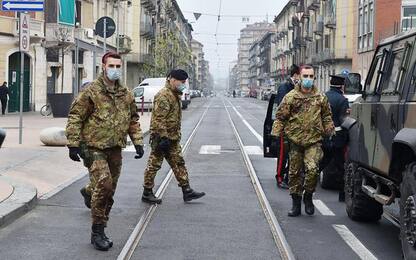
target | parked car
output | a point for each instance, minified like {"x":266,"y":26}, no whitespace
{"x":252,"y":93}
{"x":149,"y":87}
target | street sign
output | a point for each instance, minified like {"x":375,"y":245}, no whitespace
{"x":22,"y":6}
{"x":24,"y":32}
{"x":110,"y":27}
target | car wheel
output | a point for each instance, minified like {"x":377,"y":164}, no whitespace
{"x":408,"y":211}
{"x":359,"y":206}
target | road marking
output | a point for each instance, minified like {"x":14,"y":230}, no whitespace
{"x":210,"y":149}
{"x":254,"y":132}
{"x":323,"y":209}
{"x":354,"y":243}
{"x":253,"y":150}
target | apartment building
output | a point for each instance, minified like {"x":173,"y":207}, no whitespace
{"x":248,"y":36}
{"x":376,"y":20}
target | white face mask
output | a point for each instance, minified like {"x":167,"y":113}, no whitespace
{"x":113,"y":74}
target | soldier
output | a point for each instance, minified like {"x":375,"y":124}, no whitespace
{"x":282,"y":175}
{"x":100,"y":119}
{"x":165,"y":136}
{"x":305,"y":117}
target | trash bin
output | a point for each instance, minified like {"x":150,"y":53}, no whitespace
{"x":60,"y":103}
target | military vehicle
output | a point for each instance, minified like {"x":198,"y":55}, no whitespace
{"x":381,"y":157}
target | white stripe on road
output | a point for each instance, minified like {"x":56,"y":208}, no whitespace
{"x":210,"y":149}
{"x":254,"y":132}
{"x":253,"y":150}
{"x":322,"y":208}
{"x":354,"y":243}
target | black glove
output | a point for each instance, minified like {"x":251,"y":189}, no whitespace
{"x":164,"y":145}
{"x":139,"y":151}
{"x":74,"y":153}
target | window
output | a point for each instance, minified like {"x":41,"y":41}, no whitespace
{"x":376,"y":73}
{"x":409,"y":18}
{"x":365,"y":24}
{"x":393,"y":72}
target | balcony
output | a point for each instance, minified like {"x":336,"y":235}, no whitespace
{"x":85,"y":34}
{"x":59,"y":35}
{"x":149,"y":5}
{"x":124,"y":43}
{"x":314,"y":5}
{"x":146,"y":58}
{"x":35,"y":26}
{"x":330,"y":22}
{"x":147,"y":30}
{"x":326,"y":55}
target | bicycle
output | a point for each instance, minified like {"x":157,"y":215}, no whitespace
{"x":46,"y":110}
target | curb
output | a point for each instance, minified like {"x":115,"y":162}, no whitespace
{"x":22,"y":200}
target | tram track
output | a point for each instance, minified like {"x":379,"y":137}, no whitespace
{"x":280,"y":240}
{"x":140,"y":228}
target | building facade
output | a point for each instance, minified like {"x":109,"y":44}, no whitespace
{"x":248,"y":36}
{"x":375,"y":21}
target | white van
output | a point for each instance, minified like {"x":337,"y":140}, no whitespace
{"x":149,"y":87}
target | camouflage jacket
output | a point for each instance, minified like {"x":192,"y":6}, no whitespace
{"x":102,"y":116}
{"x":304,"y":118}
{"x":166,"y":114}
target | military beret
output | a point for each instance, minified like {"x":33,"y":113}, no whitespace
{"x":178,"y":74}
{"x":337,"y":80}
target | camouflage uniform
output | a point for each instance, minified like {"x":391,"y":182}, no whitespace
{"x":166,"y":123}
{"x":101,"y":117}
{"x":305,"y":119}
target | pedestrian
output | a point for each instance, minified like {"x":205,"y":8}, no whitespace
{"x":305,"y":117}
{"x":165,"y":136}
{"x":100,"y":118}
{"x":282,"y":173}
{"x":334,"y":148}
{"x":234,"y":93}
{"x":4,"y":95}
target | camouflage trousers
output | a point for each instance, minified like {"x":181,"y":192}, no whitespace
{"x":104,"y":173}
{"x":175,"y":159}
{"x":306,"y":159}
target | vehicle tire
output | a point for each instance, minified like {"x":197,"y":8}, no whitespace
{"x":46,"y":110}
{"x":408,"y":211}
{"x":359,"y":206}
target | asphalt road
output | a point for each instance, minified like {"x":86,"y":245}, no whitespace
{"x":228,"y":223}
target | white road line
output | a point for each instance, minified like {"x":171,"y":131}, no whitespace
{"x":254,"y":132}
{"x":253,"y":150}
{"x":210,"y":149}
{"x":322,"y":208}
{"x":354,"y":243}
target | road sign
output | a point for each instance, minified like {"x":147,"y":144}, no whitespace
{"x":22,"y":6}
{"x":110,"y":27}
{"x":24,"y":32}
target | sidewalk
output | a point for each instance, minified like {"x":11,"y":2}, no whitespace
{"x":37,"y":170}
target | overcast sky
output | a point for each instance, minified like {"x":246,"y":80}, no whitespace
{"x":220,"y":56}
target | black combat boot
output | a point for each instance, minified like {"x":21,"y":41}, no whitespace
{"x":309,"y":207}
{"x":87,"y":197}
{"x":189,"y":194}
{"x":149,"y":197}
{"x":296,"y":206}
{"x":98,"y":238}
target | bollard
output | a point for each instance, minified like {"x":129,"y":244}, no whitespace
{"x":2,"y":136}
{"x":142,"y":98}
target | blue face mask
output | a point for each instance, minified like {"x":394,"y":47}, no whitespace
{"x":181,"y":88}
{"x":307,"y":83}
{"x":113,"y":74}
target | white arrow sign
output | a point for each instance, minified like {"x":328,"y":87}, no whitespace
{"x":22,"y":6}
